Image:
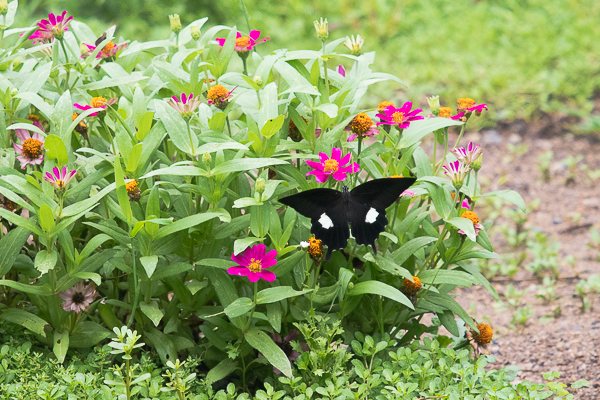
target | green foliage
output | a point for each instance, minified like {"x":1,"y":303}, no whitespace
{"x":166,"y":194}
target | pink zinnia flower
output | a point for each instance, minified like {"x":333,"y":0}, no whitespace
{"x":467,"y":155}
{"x":30,"y":149}
{"x":95,"y":102}
{"x":78,"y":298}
{"x":361,"y":126}
{"x":51,"y":28}
{"x":407,"y":193}
{"x":457,"y":172}
{"x":341,"y":70}
{"x":335,"y":166}
{"x":185,"y":104}
{"x":400,"y":117}
{"x":109,"y":51}
{"x":474,"y":218}
{"x":467,"y":105}
{"x":244,"y":44}
{"x":253,"y":262}
{"x":60,"y":178}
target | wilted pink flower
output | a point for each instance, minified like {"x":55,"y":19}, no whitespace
{"x":253,"y":262}
{"x":467,"y":105}
{"x":109,"y":50}
{"x":407,"y":193}
{"x":361,"y":126}
{"x":30,"y":149}
{"x":474,"y":218}
{"x":95,"y":102}
{"x":341,"y":70}
{"x":51,"y":28}
{"x":78,"y":298}
{"x":467,"y":155}
{"x":400,"y":117}
{"x":185,"y":104}
{"x":335,"y":166}
{"x":60,"y":178}
{"x":244,"y":44}
{"x":457,"y":172}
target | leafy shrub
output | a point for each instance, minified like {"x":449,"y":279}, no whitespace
{"x":136,"y":175}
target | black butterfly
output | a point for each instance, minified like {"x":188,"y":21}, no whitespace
{"x":362,"y":207}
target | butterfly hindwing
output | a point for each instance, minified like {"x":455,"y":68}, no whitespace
{"x":380,"y":193}
{"x":367,"y":223}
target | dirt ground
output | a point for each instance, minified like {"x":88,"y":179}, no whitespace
{"x":570,"y":342}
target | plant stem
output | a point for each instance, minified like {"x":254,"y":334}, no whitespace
{"x":245,"y":66}
{"x":460,"y":135}
{"x":136,"y":288}
{"x":325,"y":69}
{"x":189,"y":130}
{"x":67,"y":69}
{"x":228,"y":125}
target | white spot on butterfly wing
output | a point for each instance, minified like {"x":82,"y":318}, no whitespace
{"x":372,"y":215}
{"x":325,"y":221}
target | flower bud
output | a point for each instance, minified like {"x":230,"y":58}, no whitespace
{"x":195,"y":32}
{"x":260,"y":185}
{"x":207,"y":159}
{"x":258,"y":80}
{"x":175,"y":23}
{"x":434,"y":104}
{"x":476,"y":164}
{"x":354,"y":44}
{"x":322,"y":28}
{"x":3,"y":7}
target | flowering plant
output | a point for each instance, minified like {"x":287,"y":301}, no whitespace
{"x":162,"y":190}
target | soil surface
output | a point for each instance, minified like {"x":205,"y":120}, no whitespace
{"x":558,"y":336}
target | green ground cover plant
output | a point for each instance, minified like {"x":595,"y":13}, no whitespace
{"x":140,"y":197}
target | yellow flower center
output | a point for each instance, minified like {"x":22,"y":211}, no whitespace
{"x":331,"y":166}
{"x":32,"y":148}
{"x":242,"y":42}
{"x":255,"y":265}
{"x":131,"y":186}
{"x":361,"y":123}
{"x":398,"y":117}
{"x":217,"y":93}
{"x":464,"y":103}
{"x":98,"y":102}
{"x":472,"y":216}
{"x":383,"y":105}
{"x":315,"y":247}
{"x":445,"y":112}
{"x":59,"y":183}
{"x":108,"y":48}
{"x":485,"y":335}
{"x":33,"y":117}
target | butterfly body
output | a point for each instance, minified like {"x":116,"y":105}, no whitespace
{"x":361,"y":210}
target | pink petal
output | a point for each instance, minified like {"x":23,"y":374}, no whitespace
{"x":259,"y":251}
{"x":49,"y":177}
{"x":267,"y":276}
{"x":323,"y":156}
{"x":220,"y":41}
{"x":253,"y":276}
{"x":352,"y":137}
{"x":315,"y":165}
{"x":336,"y":153}
{"x":319,"y":175}
{"x":341,"y":70}
{"x":254,"y":34}
{"x":346,"y":159}
{"x":240,"y":271}
{"x":339,"y":175}
{"x":56,"y":172}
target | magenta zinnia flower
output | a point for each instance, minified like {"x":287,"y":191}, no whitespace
{"x":60,"y":178}
{"x":244,"y":44}
{"x":467,"y":155}
{"x":467,"y":105}
{"x":253,"y":262}
{"x":185,"y":104}
{"x":457,"y":172}
{"x":95,"y":102}
{"x":400,"y":117}
{"x":51,"y":28}
{"x":341,"y":70}
{"x":78,"y":298}
{"x":30,"y":149}
{"x":335,"y":166}
{"x":109,"y":51}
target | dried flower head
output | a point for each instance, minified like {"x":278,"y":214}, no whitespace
{"x":81,"y":127}
{"x":133,"y":190}
{"x":315,"y":248}
{"x":412,"y":287}
{"x":485,"y":335}
{"x":219,"y":96}
{"x":361,"y":126}
{"x":78,"y":298}
{"x":383,"y":105}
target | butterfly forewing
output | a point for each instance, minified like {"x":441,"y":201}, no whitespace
{"x":312,"y":203}
{"x":380,"y":193}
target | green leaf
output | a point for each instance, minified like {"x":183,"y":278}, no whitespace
{"x":134,"y":158}
{"x":45,"y":260}
{"x":267,"y":347}
{"x":450,"y":304}
{"x":447,"y":319}
{"x":56,"y":149}
{"x":380,"y":289}
{"x":61,"y":345}
{"x":510,"y":196}
{"x":272,"y":126}
{"x":122,"y":195}
{"x":10,"y":247}
{"x":46,"y":218}
{"x":214,"y":147}
{"x":580,"y":383}
{"x":464,"y":224}
{"x":242,"y":244}
{"x":221,"y":370}
{"x":143,"y":123}
{"x":419,"y":129}
{"x":152,"y":311}
{"x":410,"y":248}
{"x":176,"y":128}
{"x":149,"y":263}
{"x":26,"y":319}
{"x":451,"y":277}
{"x":275,"y":294}
{"x":239,"y":307}
{"x":189,"y":222}
{"x":245,"y":164}
{"x":25,"y":288}
{"x":215,"y":262}
{"x":88,"y":334}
